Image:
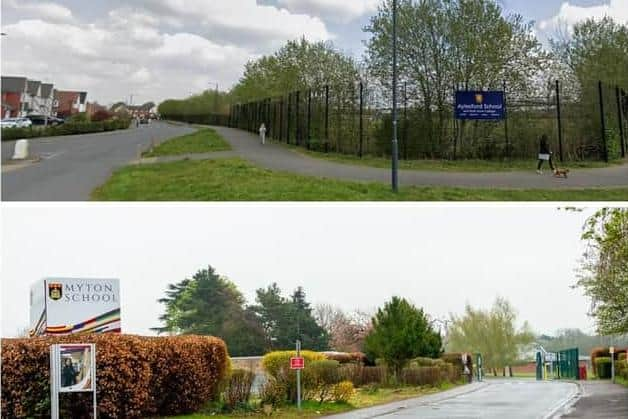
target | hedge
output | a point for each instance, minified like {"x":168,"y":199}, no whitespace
{"x":277,"y":365}
{"x":136,"y":376}
{"x":346,"y":357}
{"x":603,"y":367}
{"x":70,"y":128}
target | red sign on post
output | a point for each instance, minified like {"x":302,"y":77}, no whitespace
{"x":297,"y":363}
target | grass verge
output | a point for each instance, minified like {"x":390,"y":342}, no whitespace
{"x":361,"y":399}
{"x":450,"y":165}
{"x":238,"y":180}
{"x":202,"y":141}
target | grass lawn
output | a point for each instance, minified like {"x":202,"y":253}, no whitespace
{"x":202,"y":141}
{"x":450,"y":166}
{"x":360,"y":400}
{"x":238,"y":180}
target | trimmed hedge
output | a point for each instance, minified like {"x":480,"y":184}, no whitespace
{"x":277,"y":365}
{"x":603,"y":367}
{"x":346,"y":357}
{"x":136,"y":376}
{"x":70,"y":128}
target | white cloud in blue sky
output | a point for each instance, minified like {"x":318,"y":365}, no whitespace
{"x":168,"y":48}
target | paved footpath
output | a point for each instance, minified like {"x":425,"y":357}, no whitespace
{"x":601,"y":400}
{"x":278,"y":157}
{"x":493,"y":399}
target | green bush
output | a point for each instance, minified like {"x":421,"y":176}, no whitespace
{"x":603,"y":367}
{"x":320,"y":379}
{"x":69,"y":128}
{"x":273,"y":393}
{"x":342,"y":392}
{"x":277,"y":365}
{"x":238,"y":390}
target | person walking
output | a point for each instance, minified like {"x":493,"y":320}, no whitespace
{"x":68,"y":373}
{"x":545,"y":155}
{"x":262,"y":133}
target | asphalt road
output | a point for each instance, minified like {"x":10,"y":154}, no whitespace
{"x":71,"y":167}
{"x":277,"y":157}
{"x":495,"y":399}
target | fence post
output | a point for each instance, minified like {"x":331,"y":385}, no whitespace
{"x":281,"y":119}
{"x":620,"y":118}
{"x":309,"y":118}
{"x":405,"y":120}
{"x":560,"y":122}
{"x":508,"y":154}
{"x":298,"y":98}
{"x":361,"y":152}
{"x":326,"y":118}
{"x":603,"y":122}
{"x":289,"y":119}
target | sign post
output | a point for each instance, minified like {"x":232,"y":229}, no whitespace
{"x":72,"y":370}
{"x":612,"y":351}
{"x":298,"y":363}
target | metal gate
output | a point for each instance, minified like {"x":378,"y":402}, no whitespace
{"x":558,"y":365}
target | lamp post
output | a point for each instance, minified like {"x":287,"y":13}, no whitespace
{"x":395,"y":142}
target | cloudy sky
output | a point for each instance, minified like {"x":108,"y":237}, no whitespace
{"x":351,"y":256}
{"x":155,"y":49}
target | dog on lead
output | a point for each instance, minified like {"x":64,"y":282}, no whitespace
{"x":561,"y":173}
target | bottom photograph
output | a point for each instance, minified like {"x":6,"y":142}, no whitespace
{"x":347,"y":311}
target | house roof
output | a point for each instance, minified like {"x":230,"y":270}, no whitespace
{"x":46,"y":90}
{"x":33,"y":87}
{"x":13,"y":84}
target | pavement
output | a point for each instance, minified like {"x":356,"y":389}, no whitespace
{"x":71,"y":167}
{"x":492,"y":399}
{"x":278,"y":157}
{"x":600,"y":400}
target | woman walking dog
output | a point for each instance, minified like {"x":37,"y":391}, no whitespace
{"x":545,"y":154}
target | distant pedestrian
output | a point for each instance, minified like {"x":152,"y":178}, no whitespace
{"x":545,"y":155}
{"x":262,"y":133}
{"x":68,"y":373}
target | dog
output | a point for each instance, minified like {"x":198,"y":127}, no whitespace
{"x":562,"y":173}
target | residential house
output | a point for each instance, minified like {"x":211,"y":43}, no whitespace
{"x":47,"y":99}
{"x":33,"y":90}
{"x":70,"y":102}
{"x":14,"y":97}
{"x":93,"y":107}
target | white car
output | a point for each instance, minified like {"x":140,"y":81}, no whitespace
{"x":24,"y":123}
{"x":8,"y":123}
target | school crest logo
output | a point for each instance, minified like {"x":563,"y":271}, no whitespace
{"x":479,"y":99}
{"x":55,"y":291}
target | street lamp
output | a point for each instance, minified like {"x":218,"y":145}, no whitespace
{"x":395,"y":142}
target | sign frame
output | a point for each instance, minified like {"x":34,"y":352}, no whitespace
{"x":56,"y":368}
{"x":476,"y":105}
{"x":297,"y":363}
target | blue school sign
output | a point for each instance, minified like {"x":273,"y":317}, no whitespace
{"x":480,"y":105}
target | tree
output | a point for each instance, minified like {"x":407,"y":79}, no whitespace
{"x":347,"y":331}
{"x":286,"y":319}
{"x":492,"y":333}
{"x":447,"y":44}
{"x":209,"y":304}
{"x":604,"y":270}
{"x":400,"y":333}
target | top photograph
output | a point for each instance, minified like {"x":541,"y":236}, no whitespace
{"x":314,"y":100}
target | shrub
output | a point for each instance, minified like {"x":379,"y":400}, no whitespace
{"x":79,"y":117}
{"x":277,"y":365}
{"x":599,"y":352}
{"x":273,"y":393}
{"x":101,"y":116}
{"x":320,"y":378}
{"x":69,"y":128}
{"x":603,"y":367}
{"x":136,"y":376}
{"x":238,"y":391}
{"x":343,"y":391}
{"x":346,"y":357}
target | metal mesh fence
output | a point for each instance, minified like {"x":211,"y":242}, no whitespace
{"x":587,"y":124}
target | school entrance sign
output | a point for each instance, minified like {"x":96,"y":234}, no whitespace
{"x":484,"y":106}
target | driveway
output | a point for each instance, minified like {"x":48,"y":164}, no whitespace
{"x":494,"y":399}
{"x":72,"y":166}
{"x":278,"y":157}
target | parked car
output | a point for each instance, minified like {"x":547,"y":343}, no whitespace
{"x":41,"y":120}
{"x":23,"y":123}
{"x":8,"y":123}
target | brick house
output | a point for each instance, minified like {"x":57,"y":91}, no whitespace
{"x":15,"y":97}
{"x":70,"y":102}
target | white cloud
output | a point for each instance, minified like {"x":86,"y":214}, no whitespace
{"x":569,"y":14}
{"x":157,"y":49}
{"x":336,"y":10}
{"x":46,"y":10}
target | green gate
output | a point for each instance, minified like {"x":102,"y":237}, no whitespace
{"x":567,"y":364}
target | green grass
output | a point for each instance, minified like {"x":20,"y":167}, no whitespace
{"x":621,"y":381}
{"x":238,"y":180}
{"x":203,"y":141}
{"x":361,"y":399}
{"x":449,"y":165}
